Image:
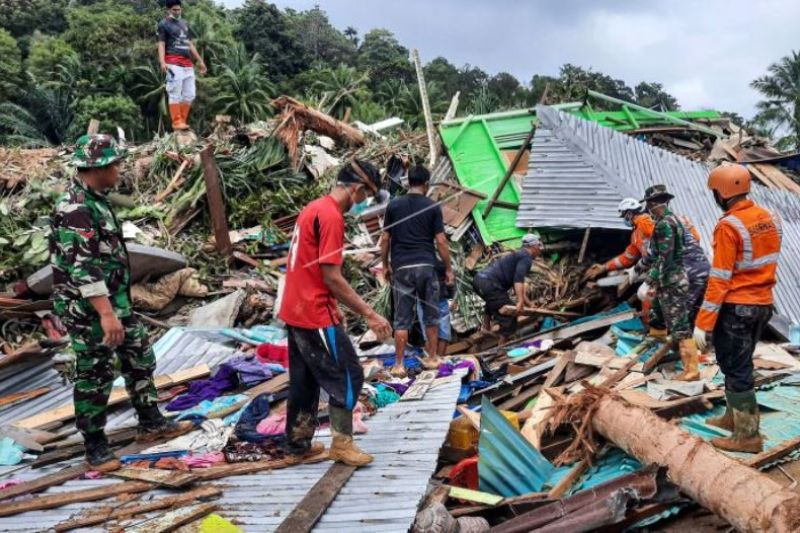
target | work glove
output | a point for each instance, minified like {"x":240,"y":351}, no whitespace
{"x":595,"y":271}
{"x":644,"y":293}
{"x":700,"y":339}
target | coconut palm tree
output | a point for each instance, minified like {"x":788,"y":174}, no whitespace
{"x":242,"y":89}
{"x":781,"y":106}
{"x":341,"y":87}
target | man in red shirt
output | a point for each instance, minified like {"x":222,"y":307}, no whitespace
{"x":320,"y":351}
{"x":175,"y":54}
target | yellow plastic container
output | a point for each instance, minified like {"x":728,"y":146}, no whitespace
{"x":462,"y":436}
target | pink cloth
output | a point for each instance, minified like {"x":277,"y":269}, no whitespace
{"x":273,"y":353}
{"x":359,"y":427}
{"x":93,"y":474}
{"x":204,"y":461}
{"x":9,"y":483}
{"x":273,"y":425}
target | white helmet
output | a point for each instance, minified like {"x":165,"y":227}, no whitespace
{"x":629,"y":204}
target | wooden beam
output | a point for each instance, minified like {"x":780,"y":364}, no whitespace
{"x":75,"y":449}
{"x":426,"y":107}
{"x":118,"y":513}
{"x":167,"y":478}
{"x":216,"y":203}
{"x":118,"y":395}
{"x":94,"y":127}
{"x":509,"y":172}
{"x":567,"y":481}
{"x":174,"y":519}
{"x":52,"y":501}
{"x":509,"y":310}
{"x":314,"y":504}
{"x":584,"y":244}
{"x":17,"y":397}
{"x":174,"y":184}
{"x":773,"y":454}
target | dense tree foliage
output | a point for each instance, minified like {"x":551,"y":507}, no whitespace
{"x":63,"y":62}
{"x":780,"y":110}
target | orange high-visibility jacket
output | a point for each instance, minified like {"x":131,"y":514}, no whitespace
{"x":643,"y":227}
{"x":689,"y":226}
{"x":747,"y":245}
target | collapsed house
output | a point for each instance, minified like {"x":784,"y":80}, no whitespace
{"x":516,"y":437}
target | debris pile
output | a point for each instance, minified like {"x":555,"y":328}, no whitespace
{"x":575,"y":423}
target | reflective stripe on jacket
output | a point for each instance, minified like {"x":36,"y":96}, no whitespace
{"x":639,"y":246}
{"x":747,"y":244}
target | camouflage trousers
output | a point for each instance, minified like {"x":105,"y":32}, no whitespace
{"x":671,"y":310}
{"x":95,"y":373}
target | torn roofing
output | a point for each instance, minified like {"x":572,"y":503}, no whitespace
{"x":579,"y":171}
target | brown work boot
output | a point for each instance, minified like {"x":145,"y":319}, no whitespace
{"x":690,"y":359}
{"x":746,"y":437}
{"x":98,"y":454}
{"x":659,"y":334}
{"x":344,"y":450}
{"x":297,"y":458}
{"x":723,"y":422}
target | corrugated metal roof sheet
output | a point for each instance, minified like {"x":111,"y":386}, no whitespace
{"x":404,"y":437}
{"x":178,"y":349}
{"x":579,"y":171}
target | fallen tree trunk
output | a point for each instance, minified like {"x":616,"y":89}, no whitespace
{"x":746,"y":498}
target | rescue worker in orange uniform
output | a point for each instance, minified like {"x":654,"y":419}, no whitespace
{"x":632,"y":211}
{"x":738,"y":301}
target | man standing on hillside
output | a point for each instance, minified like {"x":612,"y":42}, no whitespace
{"x":413,"y":223}
{"x":175,"y":54}
{"x":320,"y":351}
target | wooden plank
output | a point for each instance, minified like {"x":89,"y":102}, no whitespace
{"x":168,"y":478}
{"x":216,"y":203}
{"x":509,"y":172}
{"x":509,"y":310}
{"x":584,"y":244}
{"x":114,"y":513}
{"x":52,"y":501}
{"x":30,"y":439}
{"x":13,"y":399}
{"x":75,"y":449}
{"x":567,"y":481}
{"x":240,"y":469}
{"x":773,"y":454}
{"x":657,"y":357}
{"x":174,"y":184}
{"x":568,"y":332}
{"x":174,"y":519}
{"x":118,"y":395}
{"x":472,"y":417}
{"x":554,"y":376}
{"x":314,"y":504}
{"x":775,"y":176}
{"x":534,"y":426}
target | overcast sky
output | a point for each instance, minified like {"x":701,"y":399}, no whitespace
{"x":704,"y":52}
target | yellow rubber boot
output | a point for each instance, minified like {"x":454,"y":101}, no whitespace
{"x":690,"y":358}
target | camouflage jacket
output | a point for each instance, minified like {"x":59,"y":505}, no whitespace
{"x":667,"y":244}
{"x":88,"y":254}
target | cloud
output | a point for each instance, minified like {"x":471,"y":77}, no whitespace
{"x":706,"y":53}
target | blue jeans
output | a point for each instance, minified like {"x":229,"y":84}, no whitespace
{"x":444,"y":320}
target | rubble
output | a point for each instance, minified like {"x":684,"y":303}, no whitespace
{"x":567,"y":426}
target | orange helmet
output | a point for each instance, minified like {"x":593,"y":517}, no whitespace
{"x":729,"y":181}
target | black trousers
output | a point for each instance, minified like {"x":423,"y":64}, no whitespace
{"x":318,"y":358}
{"x":738,"y":329}
{"x":495,"y":297}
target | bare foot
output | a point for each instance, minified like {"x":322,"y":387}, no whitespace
{"x":398,"y":371}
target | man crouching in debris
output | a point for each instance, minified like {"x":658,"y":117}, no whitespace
{"x":738,"y":300}
{"x":91,"y":293}
{"x":667,"y":281}
{"x":320,"y":351}
{"x":493,"y":283}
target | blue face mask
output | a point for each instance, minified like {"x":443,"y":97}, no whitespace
{"x":358,"y":207}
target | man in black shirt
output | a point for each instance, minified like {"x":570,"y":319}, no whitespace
{"x":493,"y":283}
{"x":413,"y":223}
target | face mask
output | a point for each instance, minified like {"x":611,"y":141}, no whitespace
{"x":358,"y":207}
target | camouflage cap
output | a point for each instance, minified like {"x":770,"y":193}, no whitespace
{"x":97,"y":151}
{"x":657,"y":192}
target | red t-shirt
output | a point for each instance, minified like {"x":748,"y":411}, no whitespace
{"x":318,"y":238}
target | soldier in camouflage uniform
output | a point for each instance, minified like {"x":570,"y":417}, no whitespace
{"x":91,"y":291}
{"x":667,"y":278}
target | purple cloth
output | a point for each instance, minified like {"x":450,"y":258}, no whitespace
{"x":251,"y":371}
{"x":206,"y":389}
{"x":399,"y":388}
{"x":447,"y":369}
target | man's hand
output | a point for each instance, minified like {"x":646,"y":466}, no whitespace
{"x":203,"y":68}
{"x":595,"y":271}
{"x":113,"y":332}
{"x":450,"y":277}
{"x":164,"y":69}
{"x":379,"y":326}
{"x":700,"y":339}
{"x":519,"y":309}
